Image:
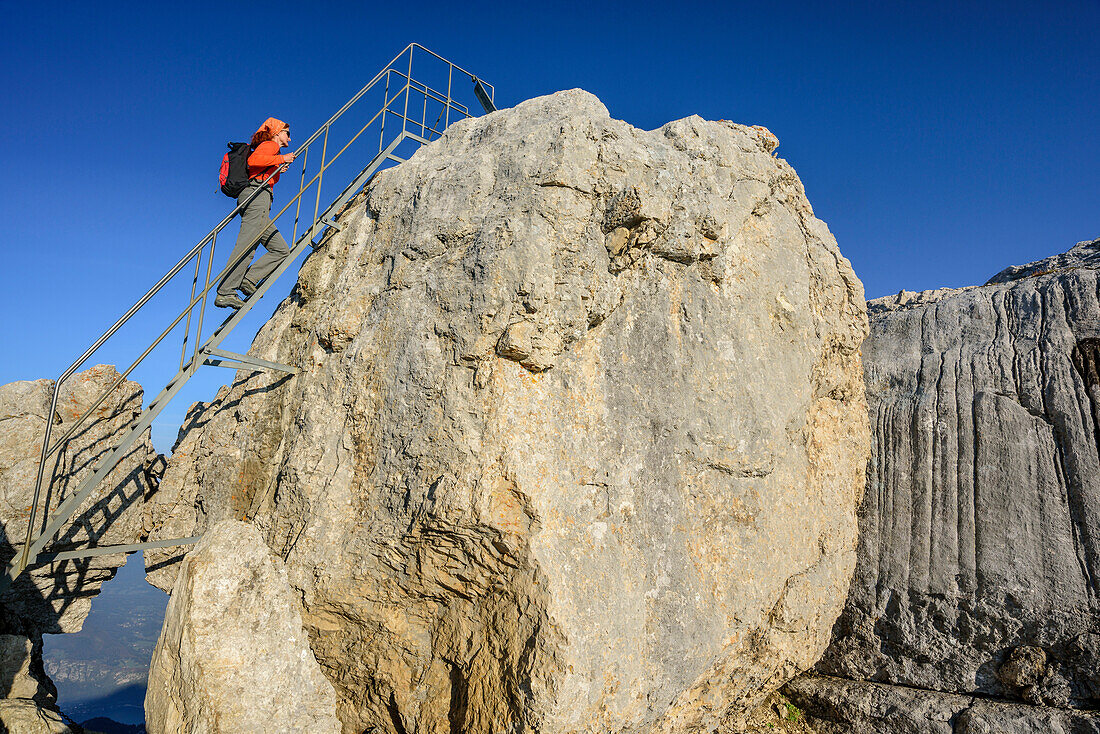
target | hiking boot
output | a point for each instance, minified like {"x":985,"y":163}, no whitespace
{"x":230,"y":301}
{"x":246,"y":288}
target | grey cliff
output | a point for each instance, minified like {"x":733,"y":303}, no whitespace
{"x":978,"y":569}
{"x":840,"y":706}
{"x":578,"y":437}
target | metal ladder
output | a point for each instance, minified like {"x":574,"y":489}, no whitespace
{"x":399,"y":89}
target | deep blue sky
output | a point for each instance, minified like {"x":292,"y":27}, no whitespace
{"x":939,"y":141}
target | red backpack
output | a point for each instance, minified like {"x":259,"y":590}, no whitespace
{"x":234,"y":172}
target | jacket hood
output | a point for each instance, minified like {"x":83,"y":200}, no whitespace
{"x":268,"y":130}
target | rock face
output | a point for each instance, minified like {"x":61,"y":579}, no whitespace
{"x":233,"y":656}
{"x":56,"y":597}
{"x":578,"y":438}
{"x":16,"y":660}
{"x":979,"y":559}
{"x":839,"y":706}
{"x":26,"y":703}
{"x":27,"y":717}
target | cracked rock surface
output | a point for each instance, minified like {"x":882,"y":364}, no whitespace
{"x":232,"y":656}
{"x":978,"y":570}
{"x":840,"y":706}
{"x":578,"y":437}
{"x":26,"y":697}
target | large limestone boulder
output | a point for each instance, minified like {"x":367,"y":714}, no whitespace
{"x":979,"y":559}
{"x":578,"y":436}
{"x":232,"y":656}
{"x":57,"y":597}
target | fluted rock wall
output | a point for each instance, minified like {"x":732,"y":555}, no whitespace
{"x":979,"y":558}
{"x":842,"y":706}
{"x":578,"y":437}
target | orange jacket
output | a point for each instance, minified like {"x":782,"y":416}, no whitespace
{"x":265,"y":156}
{"x":264,"y":160}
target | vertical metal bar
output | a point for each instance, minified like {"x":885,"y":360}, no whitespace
{"x":320,"y":178}
{"x":424,"y":118}
{"x":301,"y":188}
{"x":450,"y":73}
{"x":408,"y":91}
{"x":385,"y":105}
{"x":202,"y":308}
{"x":25,"y":556}
{"x":187,"y":328}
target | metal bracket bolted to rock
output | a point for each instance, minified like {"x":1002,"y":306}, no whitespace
{"x":232,"y":656}
{"x":579,"y":436}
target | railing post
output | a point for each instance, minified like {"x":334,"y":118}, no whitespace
{"x":202,"y":308}
{"x":385,"y":106}
{"x":450,"y":73}
{"x":424,"y":118}
{"x":301,"y":188}
{"x":24,"y":557}
{"x":408,"y":91}
{"x":321,"y":178}
{"x":187,"y":328}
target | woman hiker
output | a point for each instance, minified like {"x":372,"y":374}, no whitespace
{"x":256,"y":225}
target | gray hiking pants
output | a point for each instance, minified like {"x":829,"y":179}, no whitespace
{"x":256,"y":228}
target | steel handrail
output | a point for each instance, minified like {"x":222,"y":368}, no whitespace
{"x":232,"y":215}
{"x":211,"y":238}
{"x":430,"y":91}
{"x":452,"y":65}
{"x":173,"y":271}
{"x":179,"y":267}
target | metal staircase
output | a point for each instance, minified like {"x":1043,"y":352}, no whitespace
{"x":402,"y":95}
